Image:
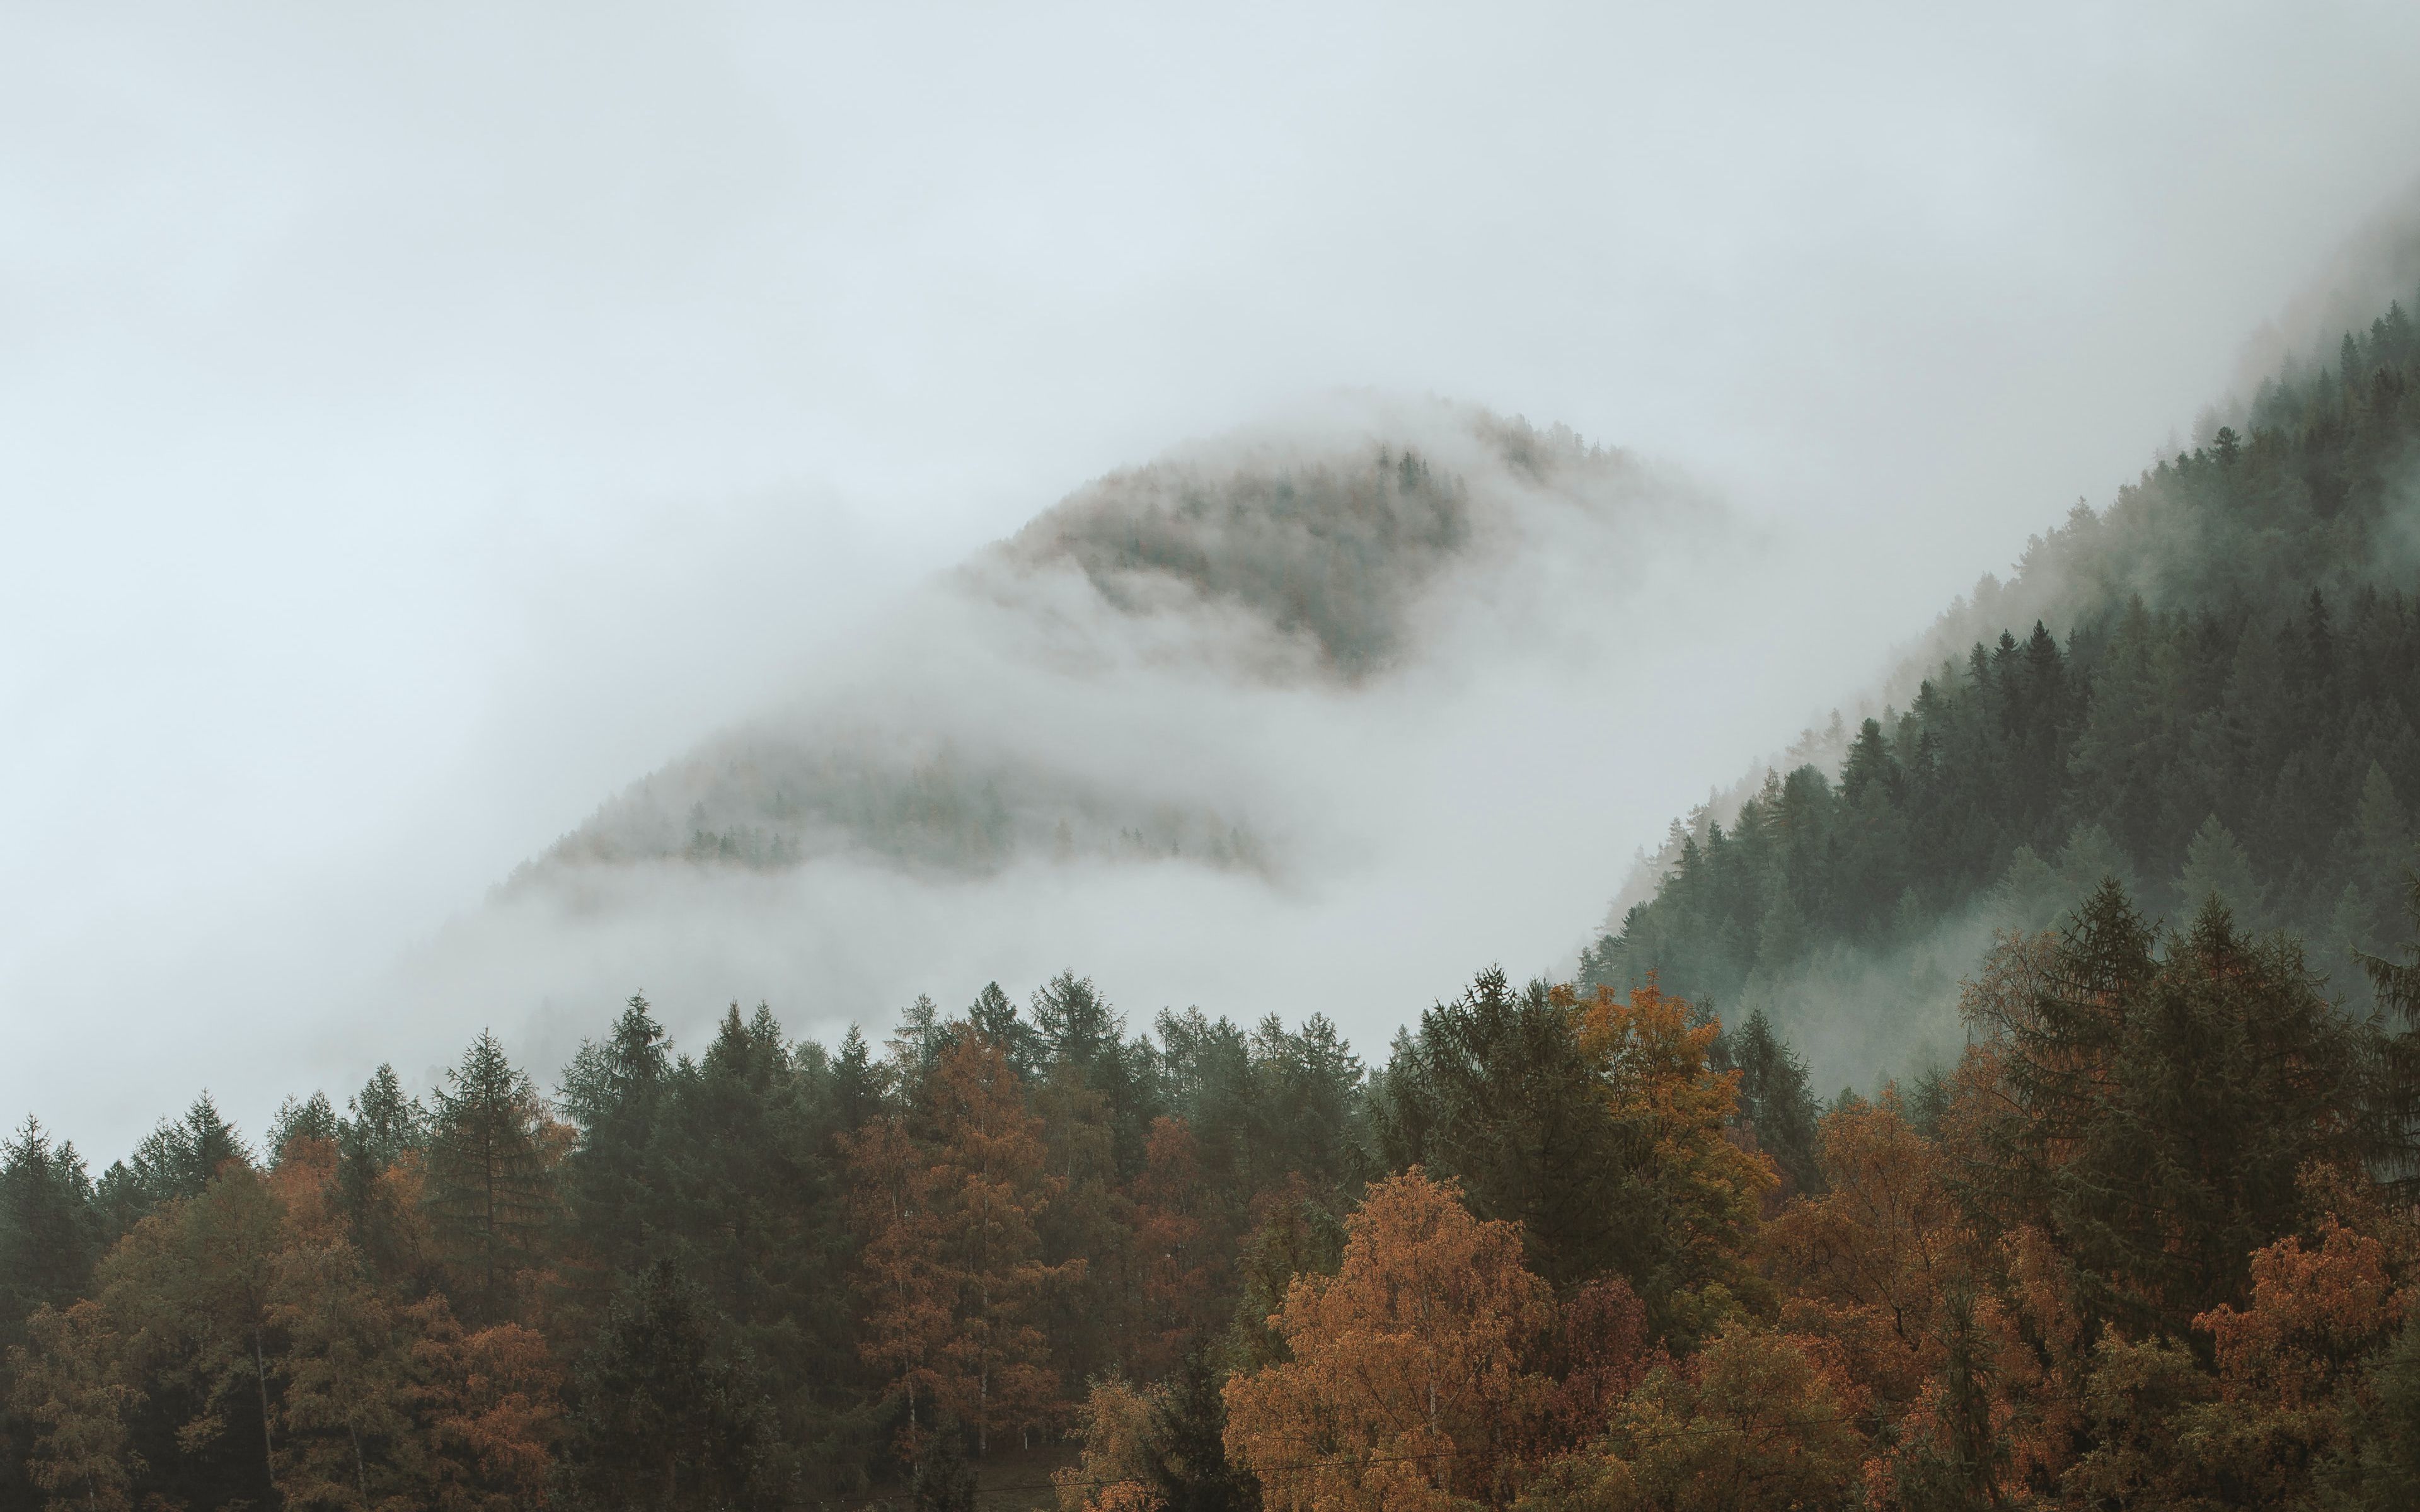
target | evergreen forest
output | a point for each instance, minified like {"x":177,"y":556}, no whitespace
{"x":2214,"y":691}
{"x":2138,"y":1231}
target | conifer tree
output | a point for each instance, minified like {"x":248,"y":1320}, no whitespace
{"x":176,"y":1160}
{"x":490,"y":1176}
{"x":1512,"y":1109}
{"x":382,"y":1122}
{"x":49,"y":1231}
{"x":993,"y":1015}
{"x":1185,"y":1451}
{"x":613,"y":1094}
{"x":2217,"y":867}
{"x":855,"y":1085}
{"x":1774,"y":1101}
{"x":669,"y":1417}
{"x":2160,"y":1109}
{"x":310,"y":1117}
{"x":951,"y":1269}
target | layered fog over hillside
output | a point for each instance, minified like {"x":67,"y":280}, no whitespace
{"x":1339,"y":757}
{"x":2202,"y":687}
{"x":1208,"y":710}
{"x":511,"y":511}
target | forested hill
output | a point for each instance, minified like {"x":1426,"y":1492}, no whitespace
{"x":2204,"y":687}
{"x":1277,"y":564}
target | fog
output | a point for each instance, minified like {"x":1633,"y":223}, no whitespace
{"x":416,"y":428}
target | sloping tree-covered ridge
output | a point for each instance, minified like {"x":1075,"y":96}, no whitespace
{"x":2226,"y":703}
{"x":2151,"y":1244}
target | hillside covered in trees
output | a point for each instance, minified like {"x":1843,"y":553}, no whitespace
{"x":2140,"y":1232}
{"x":2207,"y":686}
{"x":2150,"y":1245}
{"x":1272,"y":563}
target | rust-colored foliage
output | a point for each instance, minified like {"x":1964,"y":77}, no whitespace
{"x":491,"y":1404}
{"x":1600,"y":1355}
{"x":2314,"y":1310}
{"x":1704,"y":1193}
{"x":252,"y":1295}
{"x":952,"y":1272}
{"x":1409,"y":1385}
{"x":1865,"y":1263}
{"x":1180,"y":1251}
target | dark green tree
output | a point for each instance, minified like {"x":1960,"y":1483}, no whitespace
{"x":994,"y":1017}
{"x":309,"y":1117}
{"x":2162,"y":1103}
{"x":668,"y":1416}
{"x":1186,"y":1452}
{"x":614,"y":1093}
{"x":491,"y":1185}
{"x":1776,"y":1102}
{"x":50,"y":1231}
{"x":176,"y":1160}
{"x":1494,"y":1091}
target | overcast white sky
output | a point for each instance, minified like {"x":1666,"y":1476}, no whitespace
{"x":416,"y":421}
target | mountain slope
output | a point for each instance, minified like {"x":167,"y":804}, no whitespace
{"x":2210,"y":684}
{"x":1295,"y":565}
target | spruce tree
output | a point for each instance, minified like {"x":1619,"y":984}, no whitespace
{"x":1776,"y":1101}
{"x":2163,"y":1106}
{"x":176,"y":1160}
{"x":2217,"y":867}
{"x":613,"y":1092}
{"x":1185,"y":1455}
{"x":993,"y":1014}
{"x":50,"y":1232}
{"x":311,"y":1118}
{"x":669,"y":1417}
{"x":1510,"y":1106}
{"x":382,"y":1120}
{"x":491,"y":1179}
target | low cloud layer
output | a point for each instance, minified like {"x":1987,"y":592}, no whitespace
{"x":1259,"y":726}
{"x":416,"y":425}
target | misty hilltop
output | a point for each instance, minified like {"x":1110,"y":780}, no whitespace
{"x":1127,"y":621}
{"x":2202,"y":688}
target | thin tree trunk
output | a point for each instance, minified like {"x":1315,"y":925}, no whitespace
{"x":361,"y":1471}
{"x":268,"y":1444}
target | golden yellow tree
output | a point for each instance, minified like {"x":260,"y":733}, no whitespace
{"x":1409,"y":1386}
{"x":1113,"y":1473}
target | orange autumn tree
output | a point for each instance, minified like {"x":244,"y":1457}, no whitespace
{"x":1866,"y":1263}
{"x":1700,"y":1195}
{"x":1181,"y":1258}
{"x":1408,"y":1389}
{"x":952,"y":1272}
{"x":388,"y":1403}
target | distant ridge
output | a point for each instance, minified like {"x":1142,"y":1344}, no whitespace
{"x":1311,"y":560}
{"x":2210,"y":686}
